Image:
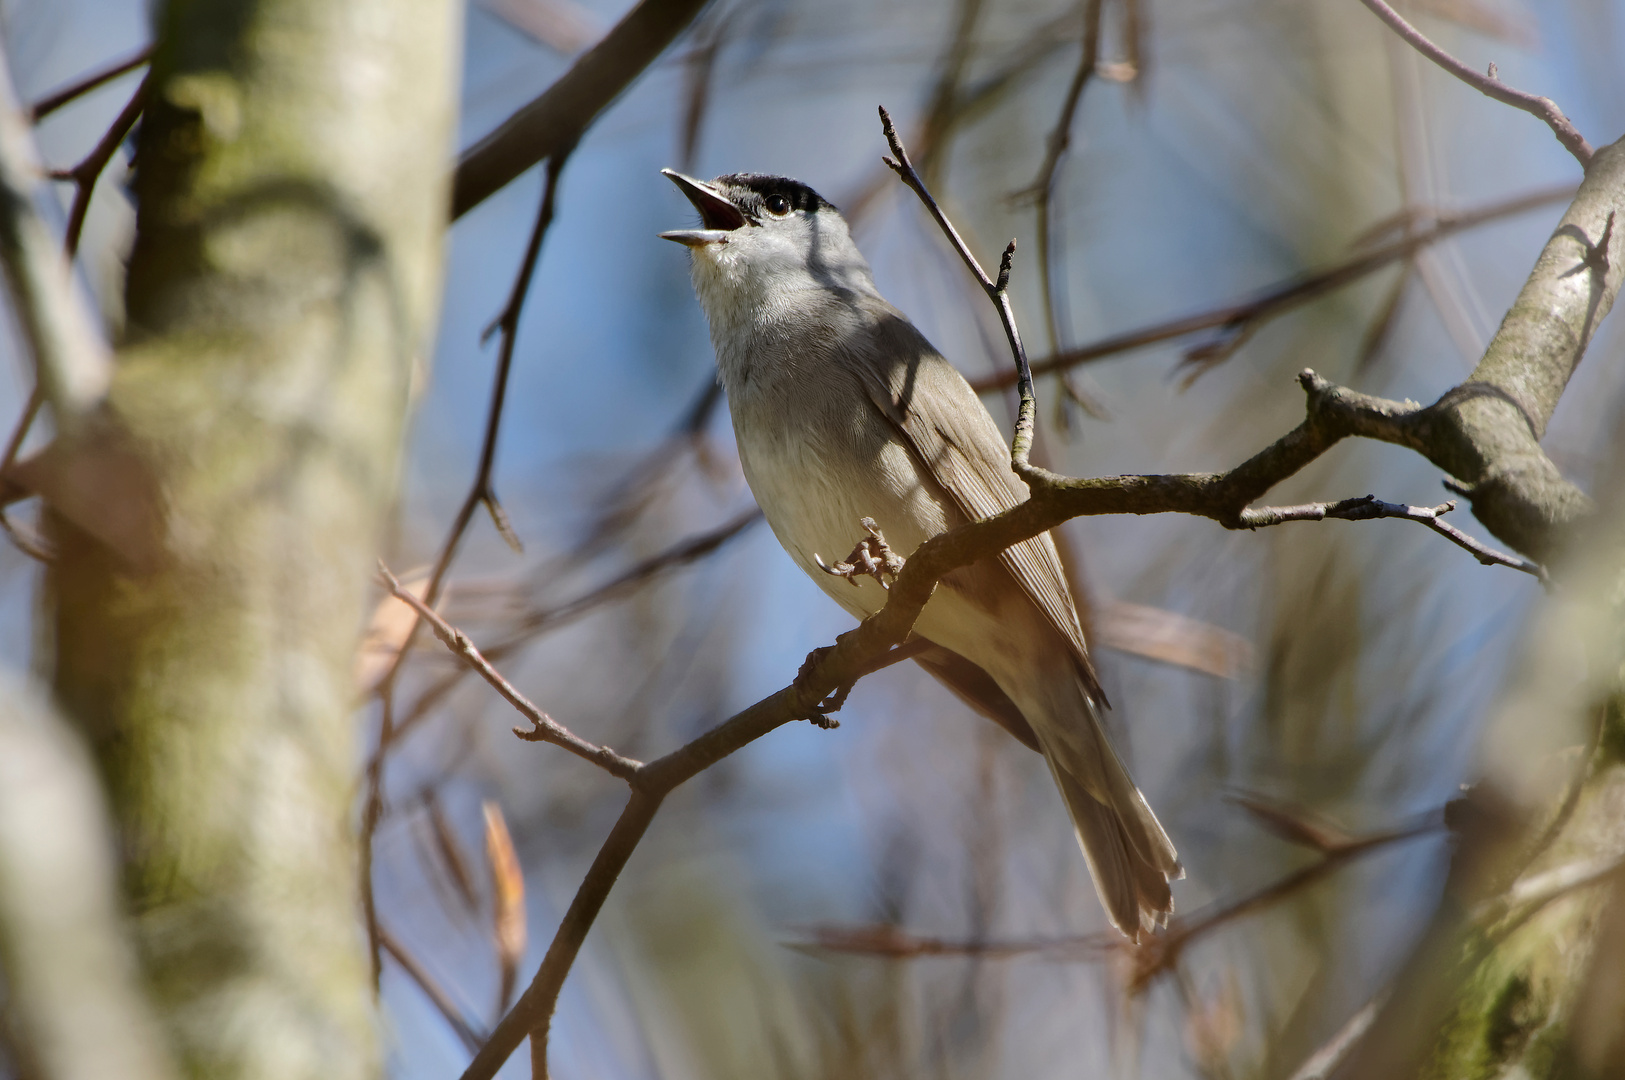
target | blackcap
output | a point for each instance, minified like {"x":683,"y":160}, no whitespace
{"x":843,"y":411}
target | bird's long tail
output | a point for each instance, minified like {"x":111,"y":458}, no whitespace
{"x":1130,"y":856}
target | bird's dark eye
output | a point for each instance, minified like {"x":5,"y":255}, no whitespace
{"x":777,"y":205}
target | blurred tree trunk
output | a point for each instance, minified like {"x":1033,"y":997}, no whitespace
{"x":217,"y":528}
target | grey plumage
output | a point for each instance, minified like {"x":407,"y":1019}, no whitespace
{"x":843,"y":410}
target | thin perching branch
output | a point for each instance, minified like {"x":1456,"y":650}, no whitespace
{"x":1488,"y":85}
{"x":1333,"y":413}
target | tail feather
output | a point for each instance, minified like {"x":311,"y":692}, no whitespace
{"x":1130,"y":857}
{"x":1134,"y":893}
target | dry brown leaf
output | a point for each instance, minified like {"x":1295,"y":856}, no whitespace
{"x":1171,"y":638}
{"x":387,"y":630}
{"x":1213,"y":1024}
{"x":508,"y":901}
{"x":562,"y":25}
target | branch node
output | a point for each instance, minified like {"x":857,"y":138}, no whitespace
{"x":1596,"y":257}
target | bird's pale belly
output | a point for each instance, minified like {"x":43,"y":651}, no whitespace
{"x":814,"y":509}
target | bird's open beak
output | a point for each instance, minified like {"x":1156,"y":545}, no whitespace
{"x":717,"y":214}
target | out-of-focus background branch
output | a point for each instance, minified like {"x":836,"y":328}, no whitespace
{"x":1229,"y":192}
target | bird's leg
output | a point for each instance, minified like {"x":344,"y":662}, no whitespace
{"x":873,"y":557}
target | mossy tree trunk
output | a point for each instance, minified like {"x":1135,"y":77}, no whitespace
{"x":227,"y":506}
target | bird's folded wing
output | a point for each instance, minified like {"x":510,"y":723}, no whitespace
{"x":934,"y":408}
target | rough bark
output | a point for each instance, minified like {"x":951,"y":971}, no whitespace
{"x":208,"y":593}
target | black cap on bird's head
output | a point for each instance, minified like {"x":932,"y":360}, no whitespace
{"x":740,"y":200}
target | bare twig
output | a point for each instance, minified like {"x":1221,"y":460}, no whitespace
{"x":548,"y":126}
{"x":699,"y":77}
{"x":432,"y":990}
{"x":85,"y":174}
{"x":1490,"y":86}
{"x":942,"y":103}
{"x":1156,"y":955}
{"x":1042,"y":189}
{"x":543,"y":727}
{"x":1020,"y":63}
{"x":1323,"y":1062}
{"x":1575,"y":788}
{"x":1367,"y":507}
{"x":546,"y":619}
{"x":23,"y":542}
{"x":51,"y":102}
{"x":997,"y":291}
{"x":1529,"y":895}
{"x":532,"y":1014}
{"x":481,"y":493}
{"x":1244,"y":316}
{"x":1161,"y":951}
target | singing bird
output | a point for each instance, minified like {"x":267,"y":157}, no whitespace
{"x":843,"y":411}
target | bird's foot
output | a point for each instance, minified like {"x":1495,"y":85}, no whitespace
{"x":873,"y":557}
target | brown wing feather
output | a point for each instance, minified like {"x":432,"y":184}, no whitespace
{"x":935,"y":409}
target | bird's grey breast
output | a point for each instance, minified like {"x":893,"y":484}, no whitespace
{"x":816,"y":450}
